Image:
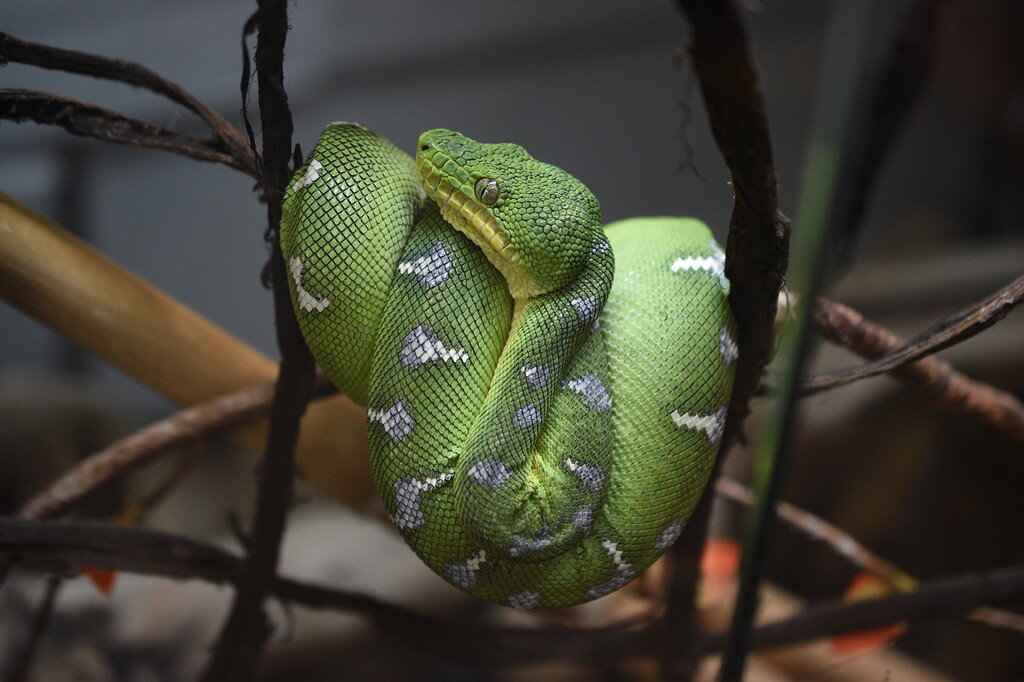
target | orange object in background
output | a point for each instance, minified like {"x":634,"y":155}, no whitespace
{"x":863,"y":587}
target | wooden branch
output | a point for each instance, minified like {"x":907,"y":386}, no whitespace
{"x":22,"y":666}
{"x":757,"y":249}
{"x":127,"y":548}
{"x":88,"y":120}
{"x":14,"y":50}
{"x":848,"y":547}
{"x":67,"y":285}
{"x":936,"y":380}
{"x":152,"y":552}
{"x":940,"y":598}
{"x":127,"y":454}
{"x":757,"y":252}
{"x":238,"y":649}
{"x":954,"y":329}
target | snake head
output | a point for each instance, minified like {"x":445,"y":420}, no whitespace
{"x":536,"y":223}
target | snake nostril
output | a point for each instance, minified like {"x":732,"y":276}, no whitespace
{"x":424,"y":147}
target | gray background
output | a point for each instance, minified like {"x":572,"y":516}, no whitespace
{"x":593,"y":87}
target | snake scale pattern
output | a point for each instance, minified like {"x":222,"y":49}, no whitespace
{"x":545,"y":395}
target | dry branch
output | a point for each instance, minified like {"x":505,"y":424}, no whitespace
{"x":757,"y":252}
{"x":940,"y":598}
{"x":118,"y":458}
{"x":152,"y":552}
{"x":14,"y":50}
{"x":88,"y":120}
{"x":959,"y":327}
{"x":845,"y":545}
{"x":22,"y":667}
{"x":237,"y":651}
{"x":936,"y":380}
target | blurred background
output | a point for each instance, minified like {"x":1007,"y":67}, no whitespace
{"x":602,"y":89}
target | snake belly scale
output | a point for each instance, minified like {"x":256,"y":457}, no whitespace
{"x":545,"y":395}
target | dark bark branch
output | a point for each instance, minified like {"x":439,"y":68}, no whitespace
{"x":156,"y":553}
{"x":127,"y":454}
{"x":141,"y":550}
{"x":14,"y":50}
{"x":934,"y":379}
{"x":939,"y":598}
{"x":847,"y":546}
{"x":23,"y":665}
{"x":88,"y":120}
{"x":236,"y":654}
{"x":955,"y":329}
{"x":757,"y":251}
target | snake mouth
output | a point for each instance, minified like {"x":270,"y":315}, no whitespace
{"x":451,"y":187}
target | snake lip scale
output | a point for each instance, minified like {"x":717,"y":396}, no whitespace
{"x":545,"y":393}
{"x":465,"y":212}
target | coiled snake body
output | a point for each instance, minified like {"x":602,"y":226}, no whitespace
{"x":538,"y":433}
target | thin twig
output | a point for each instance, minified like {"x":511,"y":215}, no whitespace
{"x":847,"y":546}
{"x":819,"y":530}
{"x":238,"y":648}
{"x":934,"y":379}
{"x":23,"y":666}
{"x":186,"y":426}
{"x":15,"y":50}
{"x":88,"y":120}
{"x":954,"y":329}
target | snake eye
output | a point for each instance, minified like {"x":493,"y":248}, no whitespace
{"x":486,"y":191}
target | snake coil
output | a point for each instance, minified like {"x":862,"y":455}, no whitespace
{"x":545,"y":395}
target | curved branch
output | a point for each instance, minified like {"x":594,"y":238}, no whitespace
{"x":757,"y":253}
{"x":118,"y":458}
{"x":959,"y":327}
{"x":935,"y":379}
{"x":88,"y":120}
{"x":21,"y":51}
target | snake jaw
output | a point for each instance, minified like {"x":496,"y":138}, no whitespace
{"x":462,"y":210}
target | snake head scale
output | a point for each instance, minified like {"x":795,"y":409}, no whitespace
{"x":536,"y":223}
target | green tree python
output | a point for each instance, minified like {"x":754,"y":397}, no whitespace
{"x":545,"y":395}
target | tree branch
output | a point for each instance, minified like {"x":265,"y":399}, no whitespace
{"x":954,"y":329}
{"x":236,"y":654}
{"x":142,"y":550}
{"x":88,"y":120}
{"x":23,"y":664}
{"x":936,"y":380}
{"x":757,"y":249}
{"x":129,"y":548}
{"x":847,"y":546}
{"x":14,"y":50}
{"x":757,"y":252}
{"x":939,"y":598}
{"x":186,"y":426}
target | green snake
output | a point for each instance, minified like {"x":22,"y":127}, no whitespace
{"x":542,"y":414}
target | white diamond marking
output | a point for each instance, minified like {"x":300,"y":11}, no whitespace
{"x":306,"y":300}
